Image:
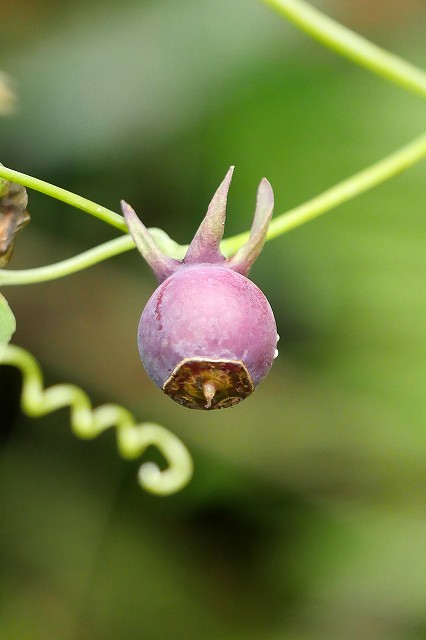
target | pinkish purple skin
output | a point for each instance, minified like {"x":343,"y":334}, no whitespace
{"x":207,"y":311}
{"x":206,"y":317}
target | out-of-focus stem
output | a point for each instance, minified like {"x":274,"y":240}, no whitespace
{"x":351,"y":45}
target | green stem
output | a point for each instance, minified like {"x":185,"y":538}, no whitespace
{"x":351,"y":45}
{"x":87,"y":259}
{"x":390,"y":166}
{"x":396,"y":163}
{"x":65,"y":196}
{"x":69,"y":266}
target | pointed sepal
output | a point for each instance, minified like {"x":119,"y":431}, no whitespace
{"x":205,"y":244}
{"x":243,"y":260}
{"x":163,"y":266}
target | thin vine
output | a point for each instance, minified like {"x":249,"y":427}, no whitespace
{"x":132,"y":439}
{"x":357,"y":184}
{"x":63,"y":195}
{"x":351,"y":45}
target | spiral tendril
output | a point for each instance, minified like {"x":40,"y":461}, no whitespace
{"x":87,"y":423}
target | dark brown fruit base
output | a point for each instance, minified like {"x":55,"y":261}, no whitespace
{"x":209,"y":384}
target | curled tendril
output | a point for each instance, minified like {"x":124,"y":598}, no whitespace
{"x":86,"y":422}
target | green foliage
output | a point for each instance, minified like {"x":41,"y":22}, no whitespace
{"x":7,"y":322}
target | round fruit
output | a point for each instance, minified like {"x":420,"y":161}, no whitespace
{"x":207,"y":335}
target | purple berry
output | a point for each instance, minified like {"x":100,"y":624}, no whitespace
{"x":207,"y":335}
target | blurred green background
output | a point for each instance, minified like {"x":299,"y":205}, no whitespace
{"x":306,"y":517}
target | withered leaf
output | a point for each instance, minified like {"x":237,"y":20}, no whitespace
{"x":13,"y":217}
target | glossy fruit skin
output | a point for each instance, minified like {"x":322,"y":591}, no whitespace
{"x":209,"y":312}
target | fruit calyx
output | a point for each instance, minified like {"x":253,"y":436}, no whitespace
{"x":205,"y":246}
